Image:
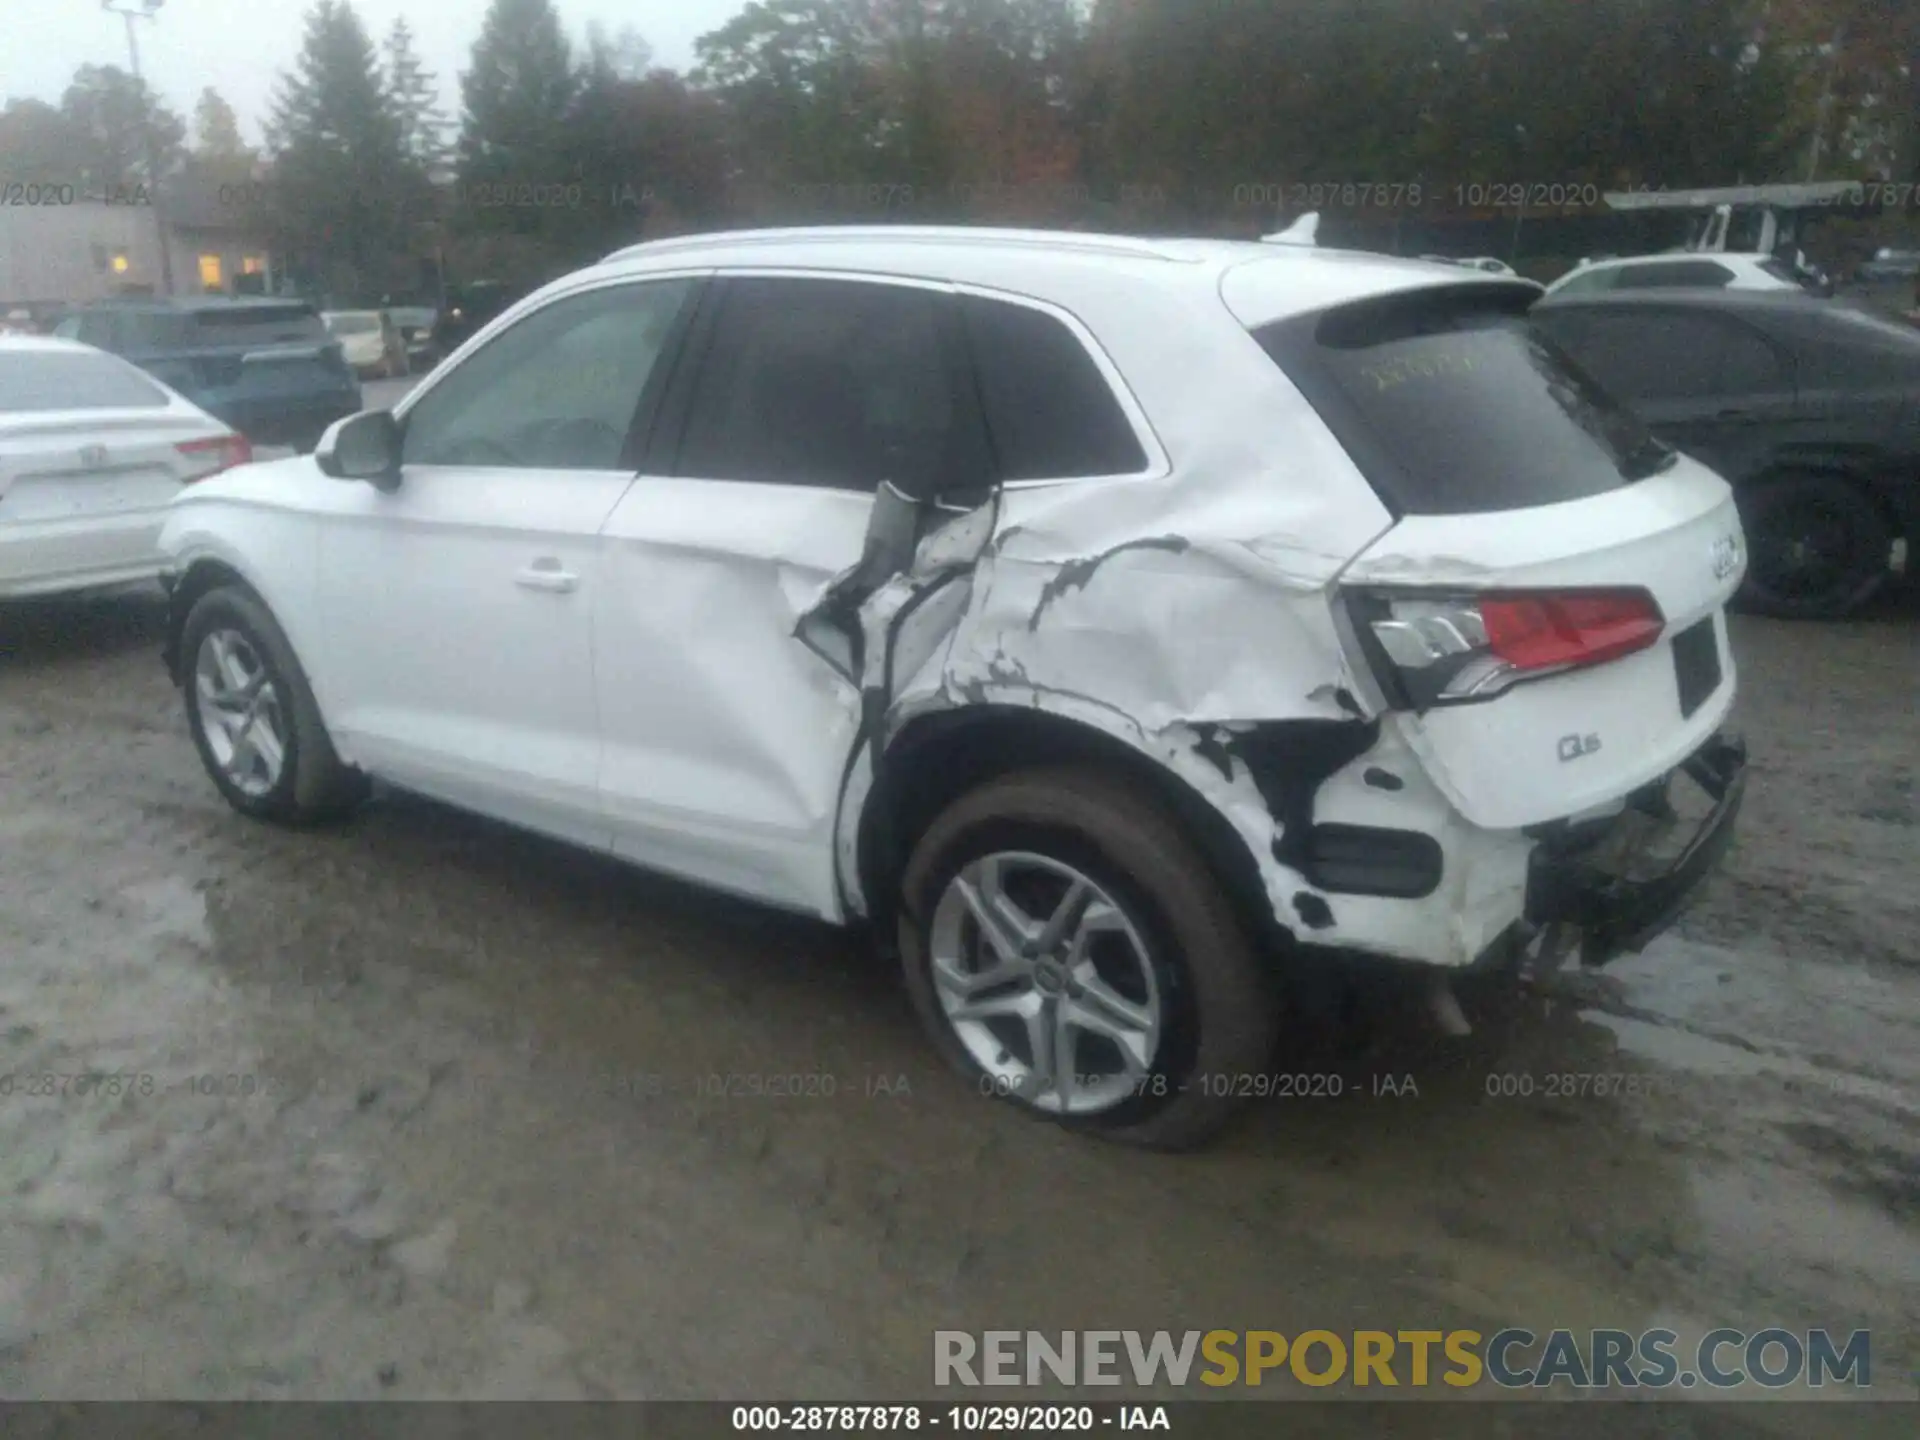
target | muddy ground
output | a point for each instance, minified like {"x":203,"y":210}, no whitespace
{"x":413,"y":1112}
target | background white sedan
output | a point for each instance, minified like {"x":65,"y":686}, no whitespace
{"x":91,"y":450}
{"x":1716,"y":270}
{"x":370,"y":340}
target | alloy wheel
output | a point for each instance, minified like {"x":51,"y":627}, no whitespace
{"x":240,"y":712}
{"x":1047,"y":983}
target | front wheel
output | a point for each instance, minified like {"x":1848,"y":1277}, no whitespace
{"x":253,"y":717}
{"x":1070,"y":951}
{"x":1818,"y":547}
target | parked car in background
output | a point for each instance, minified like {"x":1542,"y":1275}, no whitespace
{"x":416,"y":324}
{"x":1890,"y":265}
{"x":370,"y":340}
{"x":1810,"y":408}
{"x":1107,"y":622}
{"x":1681,"y":270}
{"x":91,"y":450}
{"x":266,"y":367}
{"x":469,"y":307}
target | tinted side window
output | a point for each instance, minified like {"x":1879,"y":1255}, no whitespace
{"x":558,"y":390}
{"x":1708,"y":274}
{"x":1049,"y":410}
{"x":1643,"y":356}
{"x":835,"y":383}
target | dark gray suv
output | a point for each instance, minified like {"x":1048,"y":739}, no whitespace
{"x":267,"y":367}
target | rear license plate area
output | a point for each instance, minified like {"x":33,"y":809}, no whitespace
{"x":1696,"y":665}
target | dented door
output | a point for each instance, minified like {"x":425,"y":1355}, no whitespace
{"x":728,"y":725}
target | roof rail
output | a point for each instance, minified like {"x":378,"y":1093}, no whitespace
{"x":1126,"y":245}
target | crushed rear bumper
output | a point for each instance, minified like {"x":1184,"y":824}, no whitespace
{"x":1622,"y":881}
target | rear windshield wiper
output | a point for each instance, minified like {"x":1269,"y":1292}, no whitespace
{"x":1649,"y":457}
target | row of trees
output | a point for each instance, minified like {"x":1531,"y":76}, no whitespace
{"x":1196,"y":113}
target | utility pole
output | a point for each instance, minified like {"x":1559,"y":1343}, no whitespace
{"x":129,"y":11}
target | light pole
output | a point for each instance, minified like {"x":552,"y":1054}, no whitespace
{"x":131,"y":10}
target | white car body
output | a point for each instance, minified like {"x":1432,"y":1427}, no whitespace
{"x":84,"y":487}
{"x":1734,"y":271}
{"x":615,"y":658}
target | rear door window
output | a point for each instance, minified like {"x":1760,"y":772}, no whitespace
{"x":1049,"y":409}
{"x":840,"y":384}
{"x":1452,"y":403}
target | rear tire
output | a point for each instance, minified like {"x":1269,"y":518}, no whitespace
{"x":1818,"y":547}
{"x":1159,"y":935}
{"x":253,"y":717}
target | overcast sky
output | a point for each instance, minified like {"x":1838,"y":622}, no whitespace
{"x":240,"y":47}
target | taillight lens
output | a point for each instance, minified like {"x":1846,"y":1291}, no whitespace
{"x":1451,"y":649}
{"x":214,"y":454}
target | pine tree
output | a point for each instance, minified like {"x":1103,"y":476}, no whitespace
{"x":414,"y":97}
{"x":343,"y":188}
{"x":216,"y":129}
{"x":516,"y":95}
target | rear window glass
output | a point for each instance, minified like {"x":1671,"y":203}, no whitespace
{"x":1453,"y":404}
{"x":257,"y":324}
{"x":52,"y":380}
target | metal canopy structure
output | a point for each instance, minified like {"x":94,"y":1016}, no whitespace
{"x":1819,"y":195}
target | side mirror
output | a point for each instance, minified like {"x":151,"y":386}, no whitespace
{"x":362,"y":447}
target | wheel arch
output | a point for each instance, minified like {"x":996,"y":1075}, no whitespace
{"x":1895,"y":496}
{"x":202,"y":575}
{"x":938,"y":757}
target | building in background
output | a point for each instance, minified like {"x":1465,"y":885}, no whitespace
{"x":93,"y":249}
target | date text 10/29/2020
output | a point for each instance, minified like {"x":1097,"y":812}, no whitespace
{"x":955,"y":1419}
{"x":1304,"y":1085}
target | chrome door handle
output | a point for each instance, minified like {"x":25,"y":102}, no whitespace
{"x":547,"y":575}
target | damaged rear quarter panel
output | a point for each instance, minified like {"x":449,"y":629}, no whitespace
{"x":1188,"y":614}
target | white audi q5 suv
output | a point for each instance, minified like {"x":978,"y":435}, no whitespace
{"x":1111,"y":624}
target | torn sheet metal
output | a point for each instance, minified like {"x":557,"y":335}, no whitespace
{"x":1188,"y":615}
{"x":1218,"y":657}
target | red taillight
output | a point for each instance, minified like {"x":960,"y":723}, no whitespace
{"x":1539,"y":632}
{"x":1432,"y":648}
{"x":214,"y":454}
